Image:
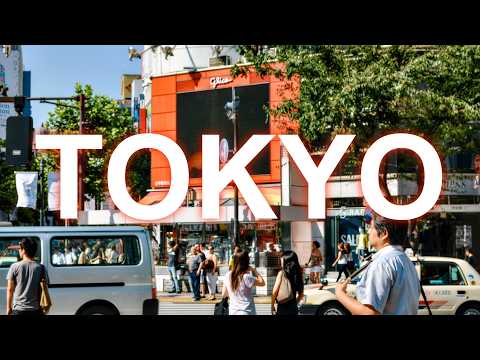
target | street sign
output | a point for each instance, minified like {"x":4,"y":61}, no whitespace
{"x":224,"y":151}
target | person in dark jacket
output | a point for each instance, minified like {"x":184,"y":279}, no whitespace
{"x":471,"y":258}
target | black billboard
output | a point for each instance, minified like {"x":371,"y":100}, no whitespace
{"x":202,"y":113}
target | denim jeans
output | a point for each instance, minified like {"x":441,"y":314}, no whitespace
{"x":174,"y":278}
{"x":195,"y":284}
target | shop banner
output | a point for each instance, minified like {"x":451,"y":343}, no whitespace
{"x":53,"y":191}
{"x":26,"y":182}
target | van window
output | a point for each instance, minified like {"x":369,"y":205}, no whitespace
{"x":95,"y":251}
{"x":9,"y":250}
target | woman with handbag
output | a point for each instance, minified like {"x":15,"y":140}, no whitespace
{"x":288,"y":289}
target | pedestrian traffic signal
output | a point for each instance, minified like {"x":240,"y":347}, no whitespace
{"x":19,"y":140}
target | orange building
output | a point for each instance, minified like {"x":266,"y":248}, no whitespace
{"x":164,"y":121}
{"x":186,"y":105}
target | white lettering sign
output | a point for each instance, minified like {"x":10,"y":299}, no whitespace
{"x":218,"y":81}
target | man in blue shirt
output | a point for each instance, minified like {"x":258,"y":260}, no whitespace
{"x":390,"y":284}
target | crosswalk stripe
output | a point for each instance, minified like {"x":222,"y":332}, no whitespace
{"x":166,"y":308}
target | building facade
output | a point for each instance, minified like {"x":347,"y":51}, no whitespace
{"x":182,"y":94}
{"x":11,"y":77}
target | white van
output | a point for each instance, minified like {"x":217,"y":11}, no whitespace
{"x":106,"y":270}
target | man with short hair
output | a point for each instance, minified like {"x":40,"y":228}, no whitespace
{"x":58,"y":258}
{"x":172,"y":252}
{"x":390,"y":284}
{"x":194,"y":268}
{"x":23,"y":282}
{"x":70,"y":256}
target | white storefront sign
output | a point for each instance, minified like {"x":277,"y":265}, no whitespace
{"x":219,"y":81}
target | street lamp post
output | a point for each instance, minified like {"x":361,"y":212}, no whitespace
{"x":235,"y":144}
{"x":42,"y":204}
{"x":81,"y":157}
{"x":231,"y":110}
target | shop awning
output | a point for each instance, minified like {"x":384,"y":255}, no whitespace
{"x":153,"y":197}
{"x":271,"y":194}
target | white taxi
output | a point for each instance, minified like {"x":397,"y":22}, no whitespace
{"x":452,"y":287}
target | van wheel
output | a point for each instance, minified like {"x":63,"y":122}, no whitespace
{"x":331,"y":309}
{"x":98,"y":310}
{"x":469,"y":309}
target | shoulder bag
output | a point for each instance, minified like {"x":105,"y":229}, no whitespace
{"x":285,"y":293}
{"x":45,"y":300}
{"x":221,"y":308}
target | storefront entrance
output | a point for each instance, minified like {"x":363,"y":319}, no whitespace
{"x":345,"y":229}
{"x":254,"y":238}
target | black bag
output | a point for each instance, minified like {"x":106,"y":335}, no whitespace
{"x":221,"y":308}
{"x":351,"y":266}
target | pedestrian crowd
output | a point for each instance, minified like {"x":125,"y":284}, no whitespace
{"x":82,"y":253}
{"x":203,"y":270}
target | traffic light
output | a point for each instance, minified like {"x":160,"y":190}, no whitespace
{"x":231,"y":108}
{"x":3,"y":90}
{"x":19,"y":140}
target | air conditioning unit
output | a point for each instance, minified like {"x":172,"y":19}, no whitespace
{"x":219,"y":61}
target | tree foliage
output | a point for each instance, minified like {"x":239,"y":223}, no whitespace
{"x":432,"y":91}
{"x":7,"y":185}
{"x":104,"y":116}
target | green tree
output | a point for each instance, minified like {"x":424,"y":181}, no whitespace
{"x":7,"y":185}
{"x":8,"y":196}
{"x":432,"y":91}
{"x":104,"y":116}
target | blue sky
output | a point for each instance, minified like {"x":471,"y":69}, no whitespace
{"x":56,"y":69}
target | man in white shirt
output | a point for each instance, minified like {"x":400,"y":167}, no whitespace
{"x":390,"y":284}
{"x":58,"y":258}
{"x":70,"y":256}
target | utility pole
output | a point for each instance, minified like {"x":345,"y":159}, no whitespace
{"x":236,"y":227}
{"x":42,"y":195}
{"x":81,"y":157}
